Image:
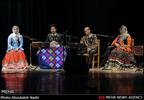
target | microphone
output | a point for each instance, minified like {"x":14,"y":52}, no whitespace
{"x":107,"y":36}
{"x":29,"y":38}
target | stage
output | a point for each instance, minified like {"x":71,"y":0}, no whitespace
{"x":56,"y":82}
{"x":97,"y":70}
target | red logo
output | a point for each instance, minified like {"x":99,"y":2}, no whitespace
{"x":101,"y":97}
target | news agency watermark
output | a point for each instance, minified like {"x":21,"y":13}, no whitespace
{"x":121,"y":97}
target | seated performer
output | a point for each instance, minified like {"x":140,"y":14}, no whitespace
{"x":90,"y":42}
{"x":54,"y":38}
{"x":54,"y":55}
{"x":15,"y":57}
{"x":121,"y":56}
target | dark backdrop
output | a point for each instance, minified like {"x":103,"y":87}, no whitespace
{"x":103,"y":16}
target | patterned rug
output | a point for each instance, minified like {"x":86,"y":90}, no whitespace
{"x":118,"y":70}
{"x":6,"y":70}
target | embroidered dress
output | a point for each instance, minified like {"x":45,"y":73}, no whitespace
{"x":15,"y":57}
{"x":122,"y":55}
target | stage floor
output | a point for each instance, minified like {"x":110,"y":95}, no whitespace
{"x":96,"y":70}
{"x":56,"y":82}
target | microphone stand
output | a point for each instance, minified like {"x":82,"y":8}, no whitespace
{"x":30,"y":54}
{"x":68,"y":38}
{"x":106,"y":36}
{"x":108,"y":44}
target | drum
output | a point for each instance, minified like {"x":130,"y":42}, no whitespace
{"x":52,"y":57}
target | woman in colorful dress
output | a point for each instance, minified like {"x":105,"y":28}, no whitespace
{"x":121,"y":56}
{"x":15,"y":57}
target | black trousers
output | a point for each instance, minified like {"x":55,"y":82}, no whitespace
{"x":108,"y":51}
{"x":106,"y":54}
{"x":91,"y":54}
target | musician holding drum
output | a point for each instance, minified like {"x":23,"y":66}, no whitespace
{"x":54,"y":38}
{"x":54,"y":55}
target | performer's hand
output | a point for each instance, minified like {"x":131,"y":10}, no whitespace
{"x":81,"y":42}
{"x":39,"y":48}
{"x":53,"y":43}
{"x":88,"y":49}
{"x":117,"y":45}
{"x":17,"y":49}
